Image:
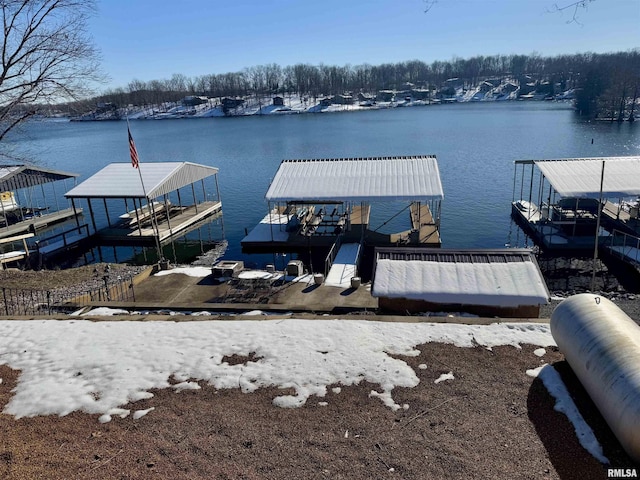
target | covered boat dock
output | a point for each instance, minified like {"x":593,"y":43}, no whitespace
{"x":29,"y":201}
{"x":564,"y":204}
{"x":318,"y":202}
{"x":151,"y":206}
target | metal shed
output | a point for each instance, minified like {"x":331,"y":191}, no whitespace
{"x":504,"y":282}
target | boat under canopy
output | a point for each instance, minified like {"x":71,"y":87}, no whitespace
{"x":40,"y":207}
{"x":568,"y":199}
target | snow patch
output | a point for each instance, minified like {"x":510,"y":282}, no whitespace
{"x":564,"y":404}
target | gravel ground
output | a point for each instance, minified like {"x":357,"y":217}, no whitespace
{"x":61,"y":284}
{"x":72,"y":279}
{"x":567,"y":276}
{"x":491,"y":422}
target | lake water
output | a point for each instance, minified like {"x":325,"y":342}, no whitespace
{"x":475,"y":144}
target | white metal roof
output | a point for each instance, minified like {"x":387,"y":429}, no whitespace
{"x":122,"y":180}
{"x":16,"y":177}
{"x":500,"y":279}
{"x":580,"y":177}
{"x":357,"y":179}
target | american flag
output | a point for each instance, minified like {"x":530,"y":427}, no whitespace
{"x":132,"y":150}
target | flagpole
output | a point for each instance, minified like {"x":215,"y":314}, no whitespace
{"x":595,"y":248}
{"x":135,"y":162}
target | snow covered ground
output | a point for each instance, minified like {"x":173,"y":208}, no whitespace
{"x":99,"y":367}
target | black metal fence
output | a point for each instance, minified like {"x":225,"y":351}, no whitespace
{"x":17,"y":301}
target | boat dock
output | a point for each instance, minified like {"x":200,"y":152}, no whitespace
{"x":38,"y":222}
{"x":165,"y":201}
{"x":30,"y":209}
{"x":315,"y":204}
{"x":569,"y":203}
{"x":169,"y":223}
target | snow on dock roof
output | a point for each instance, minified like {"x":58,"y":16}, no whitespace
{"x":121,"y":180}
{"x":580,"y":177}
{"x":355,"y":179}
{"x":500,"y":278}
{"x":16,"y":177}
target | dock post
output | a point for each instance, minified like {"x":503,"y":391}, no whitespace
{"x":93,"y":218}
{"x":195,"y":202}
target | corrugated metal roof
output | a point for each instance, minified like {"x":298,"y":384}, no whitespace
{"x":16,"y":177}
{"x":501,"y":278}
{"x":580,"y":177}
{"x":357,"y":179}
{"x":121,"y":180}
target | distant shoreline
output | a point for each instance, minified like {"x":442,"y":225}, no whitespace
{"x":291,"y":106}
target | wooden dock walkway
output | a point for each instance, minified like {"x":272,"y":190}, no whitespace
{"x":270,"y":235}
{"x":38,"y":222}
{"x":422,"y":221}
{"x":168,"y":227}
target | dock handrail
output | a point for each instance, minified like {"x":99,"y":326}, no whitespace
{"x":331,"y":256}
{"x":67,"y":238}
{"x":630,"y":245}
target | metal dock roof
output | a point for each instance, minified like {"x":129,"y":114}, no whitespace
{"x":121,"y":180}
{"x":411,"y":178}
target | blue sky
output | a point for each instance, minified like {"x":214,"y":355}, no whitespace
{"x":153,"y":39}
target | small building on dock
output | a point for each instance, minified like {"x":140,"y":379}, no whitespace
{"x":150,"y":206}
{"x":503,"y":283}
{"x":564,"y":204}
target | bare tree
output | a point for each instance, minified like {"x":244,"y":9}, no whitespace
{"x":46,"y":54}
{"x":574,"y":8}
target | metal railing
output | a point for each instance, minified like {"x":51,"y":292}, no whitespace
{"x":625,"y":246}
{"x":62,"y":240}
{"x":331,"y":256}
{"x":17,"y":301}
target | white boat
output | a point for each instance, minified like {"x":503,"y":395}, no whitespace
{"x":8,"y":202}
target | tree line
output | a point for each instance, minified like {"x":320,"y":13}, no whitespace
{"x":604,"y":83}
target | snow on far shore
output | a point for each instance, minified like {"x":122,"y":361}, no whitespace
{"x":99,"y":367}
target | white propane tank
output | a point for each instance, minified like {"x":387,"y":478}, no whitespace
{"x":602,"y":345}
